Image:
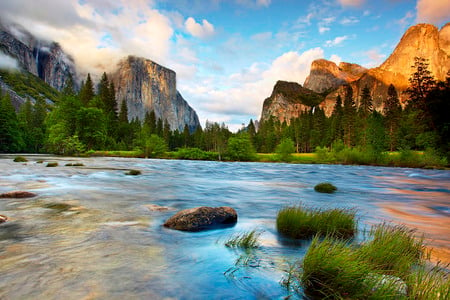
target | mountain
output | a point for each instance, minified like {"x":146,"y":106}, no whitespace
{"x":289,"y":100}
{"x":41,"y":58}
{"x":144,"y":84}
{"x":422,"y":40}
{"x":147,"y":86}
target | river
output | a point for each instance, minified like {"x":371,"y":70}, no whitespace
{"x":94,"y":233}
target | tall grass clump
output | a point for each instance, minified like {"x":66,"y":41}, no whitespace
{"x":393,"y":249}
{"x":52,"y":164}
{"x":245,"y":240}
{"x":299,"y":222}
{"x":332,"y":270}
{"x":429,"y":284}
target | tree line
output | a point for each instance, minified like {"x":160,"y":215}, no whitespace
{"x":91,"y":120}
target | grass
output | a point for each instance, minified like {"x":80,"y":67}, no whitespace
{"x":393,"y":264}
{"x":52,"y":164}
{"x":245,"y":240}
{"x":325,"y":187}
{"x":20,"y":159}
{"x":133,"y":172}
{"x":40,"y":162}
{"x":299,"y":222}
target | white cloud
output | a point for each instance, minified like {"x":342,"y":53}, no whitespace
{"x":351,"y":2}
{"x":433,"y":11}
{"x":375,"y":58}
{"x":349,"y":20}
{"x":323,"y":29}
{"x":7,"y":62}
{"x":406,"y":20}
{"x":255,"y":4}
{"x":336,"y":59}
{"x":202,"y":31}
{"x":336,"y":41}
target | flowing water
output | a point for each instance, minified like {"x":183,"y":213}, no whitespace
{"x":94,"y":233}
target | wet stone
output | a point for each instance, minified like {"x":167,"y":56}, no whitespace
{"x":202,"y":218}
{"x":18,"y":194}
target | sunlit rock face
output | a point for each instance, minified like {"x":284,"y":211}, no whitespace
{"x":288,"y":100}
{"x":326,"y":76}
{"x":42,"y":58}
{"x":422,"y":40}
{"x":147,"y":86}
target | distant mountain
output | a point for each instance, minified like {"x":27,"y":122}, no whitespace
{"x":422,"y":40}
{"x":145,"y":85}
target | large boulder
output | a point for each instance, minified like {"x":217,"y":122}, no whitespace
{"x":18,"y":194}
{"x":202,"y":218}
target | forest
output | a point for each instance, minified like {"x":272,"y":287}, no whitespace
{"x":90,"y":121}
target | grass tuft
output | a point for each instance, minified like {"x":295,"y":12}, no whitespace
{"x":298,"y":222}
{"x":325,"y":187}
{"x":133,"y":172}
{"x":74,"y":165}
{"x":40,"y":162}
{"x":20,"y":159}
{"x":246,"y":240}
{"x":52,"y":164}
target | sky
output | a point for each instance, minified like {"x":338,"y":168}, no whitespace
{"x":228,"y":54}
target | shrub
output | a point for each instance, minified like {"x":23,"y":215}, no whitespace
{"x":240,"y":148}
{"x":195,"y":154}
{"x":285,"y":149}
{"x":133,"y":172}
{"x":325,"y":187}
{"x":298,"y":222}
{"x":244,"y":240}
{"x":52,"y":164}
{"x":20,"y":159}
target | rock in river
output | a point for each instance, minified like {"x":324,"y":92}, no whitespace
{"x":18,"y":194}
{"x":202,"y":218}
{"x":3,"y":219}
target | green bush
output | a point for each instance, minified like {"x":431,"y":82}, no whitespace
{"x":285,"y":149}
{"x":52,"y":164}
{"x":325,"y":187}
{"x":20,"y":159}
{"x":298,"y":222}
{"x":240,"y":148}
{"x":195,"y":154}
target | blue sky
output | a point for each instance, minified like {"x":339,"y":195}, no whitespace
{"x":227,"y":54}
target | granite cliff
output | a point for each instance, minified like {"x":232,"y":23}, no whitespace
{"x":422,"y":40}
{"x":147,"y":86}
{"x":41,"y":58}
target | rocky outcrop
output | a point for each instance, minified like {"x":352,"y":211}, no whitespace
{"x":289,"y":100}
{"x":18,"y":194}
{"x":202,"y":218}
{"x":326,"y":76}
{"x":41,"y":58}
{"x":147,"y":86}
{"x":422,"y":40}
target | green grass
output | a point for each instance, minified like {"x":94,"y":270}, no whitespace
{"x":325,"y":187}
{"x":393,"y":264}
{"x":133,"y":172}
{"x":299,"y":222}
{"x":245,"y":240}
{"x":52,"y":164}
{"x":20,"y":159}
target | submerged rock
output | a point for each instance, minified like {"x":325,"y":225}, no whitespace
{"x":202,"y":218}
{"x":3,"y":219}
{"x":18,"y":194}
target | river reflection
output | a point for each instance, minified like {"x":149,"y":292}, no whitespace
{"x":94,"y":233}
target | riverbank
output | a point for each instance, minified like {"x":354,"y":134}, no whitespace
{"x":407,"y":159}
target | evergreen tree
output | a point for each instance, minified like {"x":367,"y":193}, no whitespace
{"x":123,"y":115}
{"x":337,"y":130}
{"x":365,"y":106}
{"x":10,"y":136}
{"x":69,"y":87}
{"x":392,"y":112}
{"x":421,"y":83}
{"x":186,"y":136}
{"x":87,"y":91}
{"x":349,"y":117}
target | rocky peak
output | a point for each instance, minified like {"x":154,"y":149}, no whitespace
{"x":444,"y":38}
{"x":326,"y":76}
{"x":289,"y":100}
{"x":41,"y":58}
{"x":146,"y":86}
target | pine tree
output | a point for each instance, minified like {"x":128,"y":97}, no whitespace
{"x":10,"y":136}
{"x":421,"y":83}
{"x":337,"y":130}
{"x":392,"y":112}
{"x":123,"y":115}
{"x":87,"y":91}
{"x":365,"y":106}
{"x":349,"y":117}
